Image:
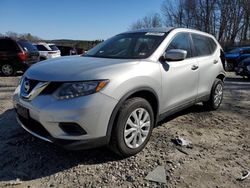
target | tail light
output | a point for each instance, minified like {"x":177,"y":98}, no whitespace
{"x":23,"y":56}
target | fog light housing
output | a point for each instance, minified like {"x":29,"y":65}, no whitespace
{"x":72,"y":129}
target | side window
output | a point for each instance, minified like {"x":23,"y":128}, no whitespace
{"x":213,"y":45}
{"x":181,"y":41}
{"x":8,"y":45}
{"x":202,"y":45}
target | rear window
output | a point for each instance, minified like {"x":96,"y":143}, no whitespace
{"x":27,"y":46}
{"x":41,"y":48}
{"x":8,"y":45}
{"x":53,"y":47}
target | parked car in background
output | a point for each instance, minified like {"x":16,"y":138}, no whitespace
{"x":243,"y":68}
{"x":47,"y":51}
{"x":67,"y":50}
{"x":16,"y":55}
{"x":119,"y":90}
{"x":235,"y":56}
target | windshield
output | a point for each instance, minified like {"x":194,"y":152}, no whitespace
{"x":53,"y":47}
{"x":128,"y":46}
{"x":27,"y":46}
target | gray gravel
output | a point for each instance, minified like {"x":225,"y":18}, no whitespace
{"x":220,"y":140}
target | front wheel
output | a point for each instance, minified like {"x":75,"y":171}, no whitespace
{"x":133,"y":127}
{"x":216,"y":96}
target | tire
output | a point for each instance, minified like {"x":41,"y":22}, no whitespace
{"x":216,"y":96}
{"x":8,"y":69}
{"x":120,"y":140}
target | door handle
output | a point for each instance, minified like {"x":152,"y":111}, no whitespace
{"x":215,"y":61}
{"x":194,"y":67}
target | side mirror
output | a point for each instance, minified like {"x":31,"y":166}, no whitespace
{"x":174,"y":55}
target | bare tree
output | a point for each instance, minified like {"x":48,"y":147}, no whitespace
{"x":25,"y":36}
{"x":246,"y":29}
{"x":149,"y":21}
{"x":228,"y":20}
{"x":11,"y":34}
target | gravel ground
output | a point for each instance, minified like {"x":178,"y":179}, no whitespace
{"x":220,"y":152}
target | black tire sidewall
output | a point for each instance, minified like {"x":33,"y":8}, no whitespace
{"x":124,"y":114}
{"x":13,"y":69}
{"x":216,"y":83}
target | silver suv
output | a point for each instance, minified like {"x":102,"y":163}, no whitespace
{"x":116,"y":93}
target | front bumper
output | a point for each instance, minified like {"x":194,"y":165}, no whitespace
{"x":91,"y":113}
{"x":67,"y":144}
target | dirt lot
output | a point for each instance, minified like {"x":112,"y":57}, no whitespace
{"x":220,"y":139}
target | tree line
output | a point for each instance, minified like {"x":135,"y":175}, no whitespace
{"x":227,"y":20}
{"x":83,"y":44}
{"x":24,"y":36}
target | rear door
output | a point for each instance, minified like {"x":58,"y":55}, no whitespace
{"x":207,"y":54}
{"x":179,"y":78}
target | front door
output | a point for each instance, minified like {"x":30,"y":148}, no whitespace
{"x":179,"y":78}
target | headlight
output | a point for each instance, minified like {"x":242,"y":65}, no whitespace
{"x":77,"y":89}
{"x":248,"y":68}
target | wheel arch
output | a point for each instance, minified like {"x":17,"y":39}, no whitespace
{"x":144,"y":92}
{"x":221,"y":76}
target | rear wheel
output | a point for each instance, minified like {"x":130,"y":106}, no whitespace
{"x":133,"y":127}
{"x":7,"y":69}
{"x":216,"y":96}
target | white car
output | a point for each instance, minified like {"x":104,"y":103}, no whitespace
{"x":47,"y":51}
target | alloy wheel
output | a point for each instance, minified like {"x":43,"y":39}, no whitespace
{"x":137,"y":128}
{"x":218,"y":94}
{"x":7,"y":69}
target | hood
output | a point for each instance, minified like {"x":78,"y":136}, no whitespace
{"x":78,"y":68}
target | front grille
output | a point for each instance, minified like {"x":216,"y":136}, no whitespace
{"x":34,"y":126}
{"x":37,"y":88}
{"x":52,"y":87}
{"x":32,"y":84}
